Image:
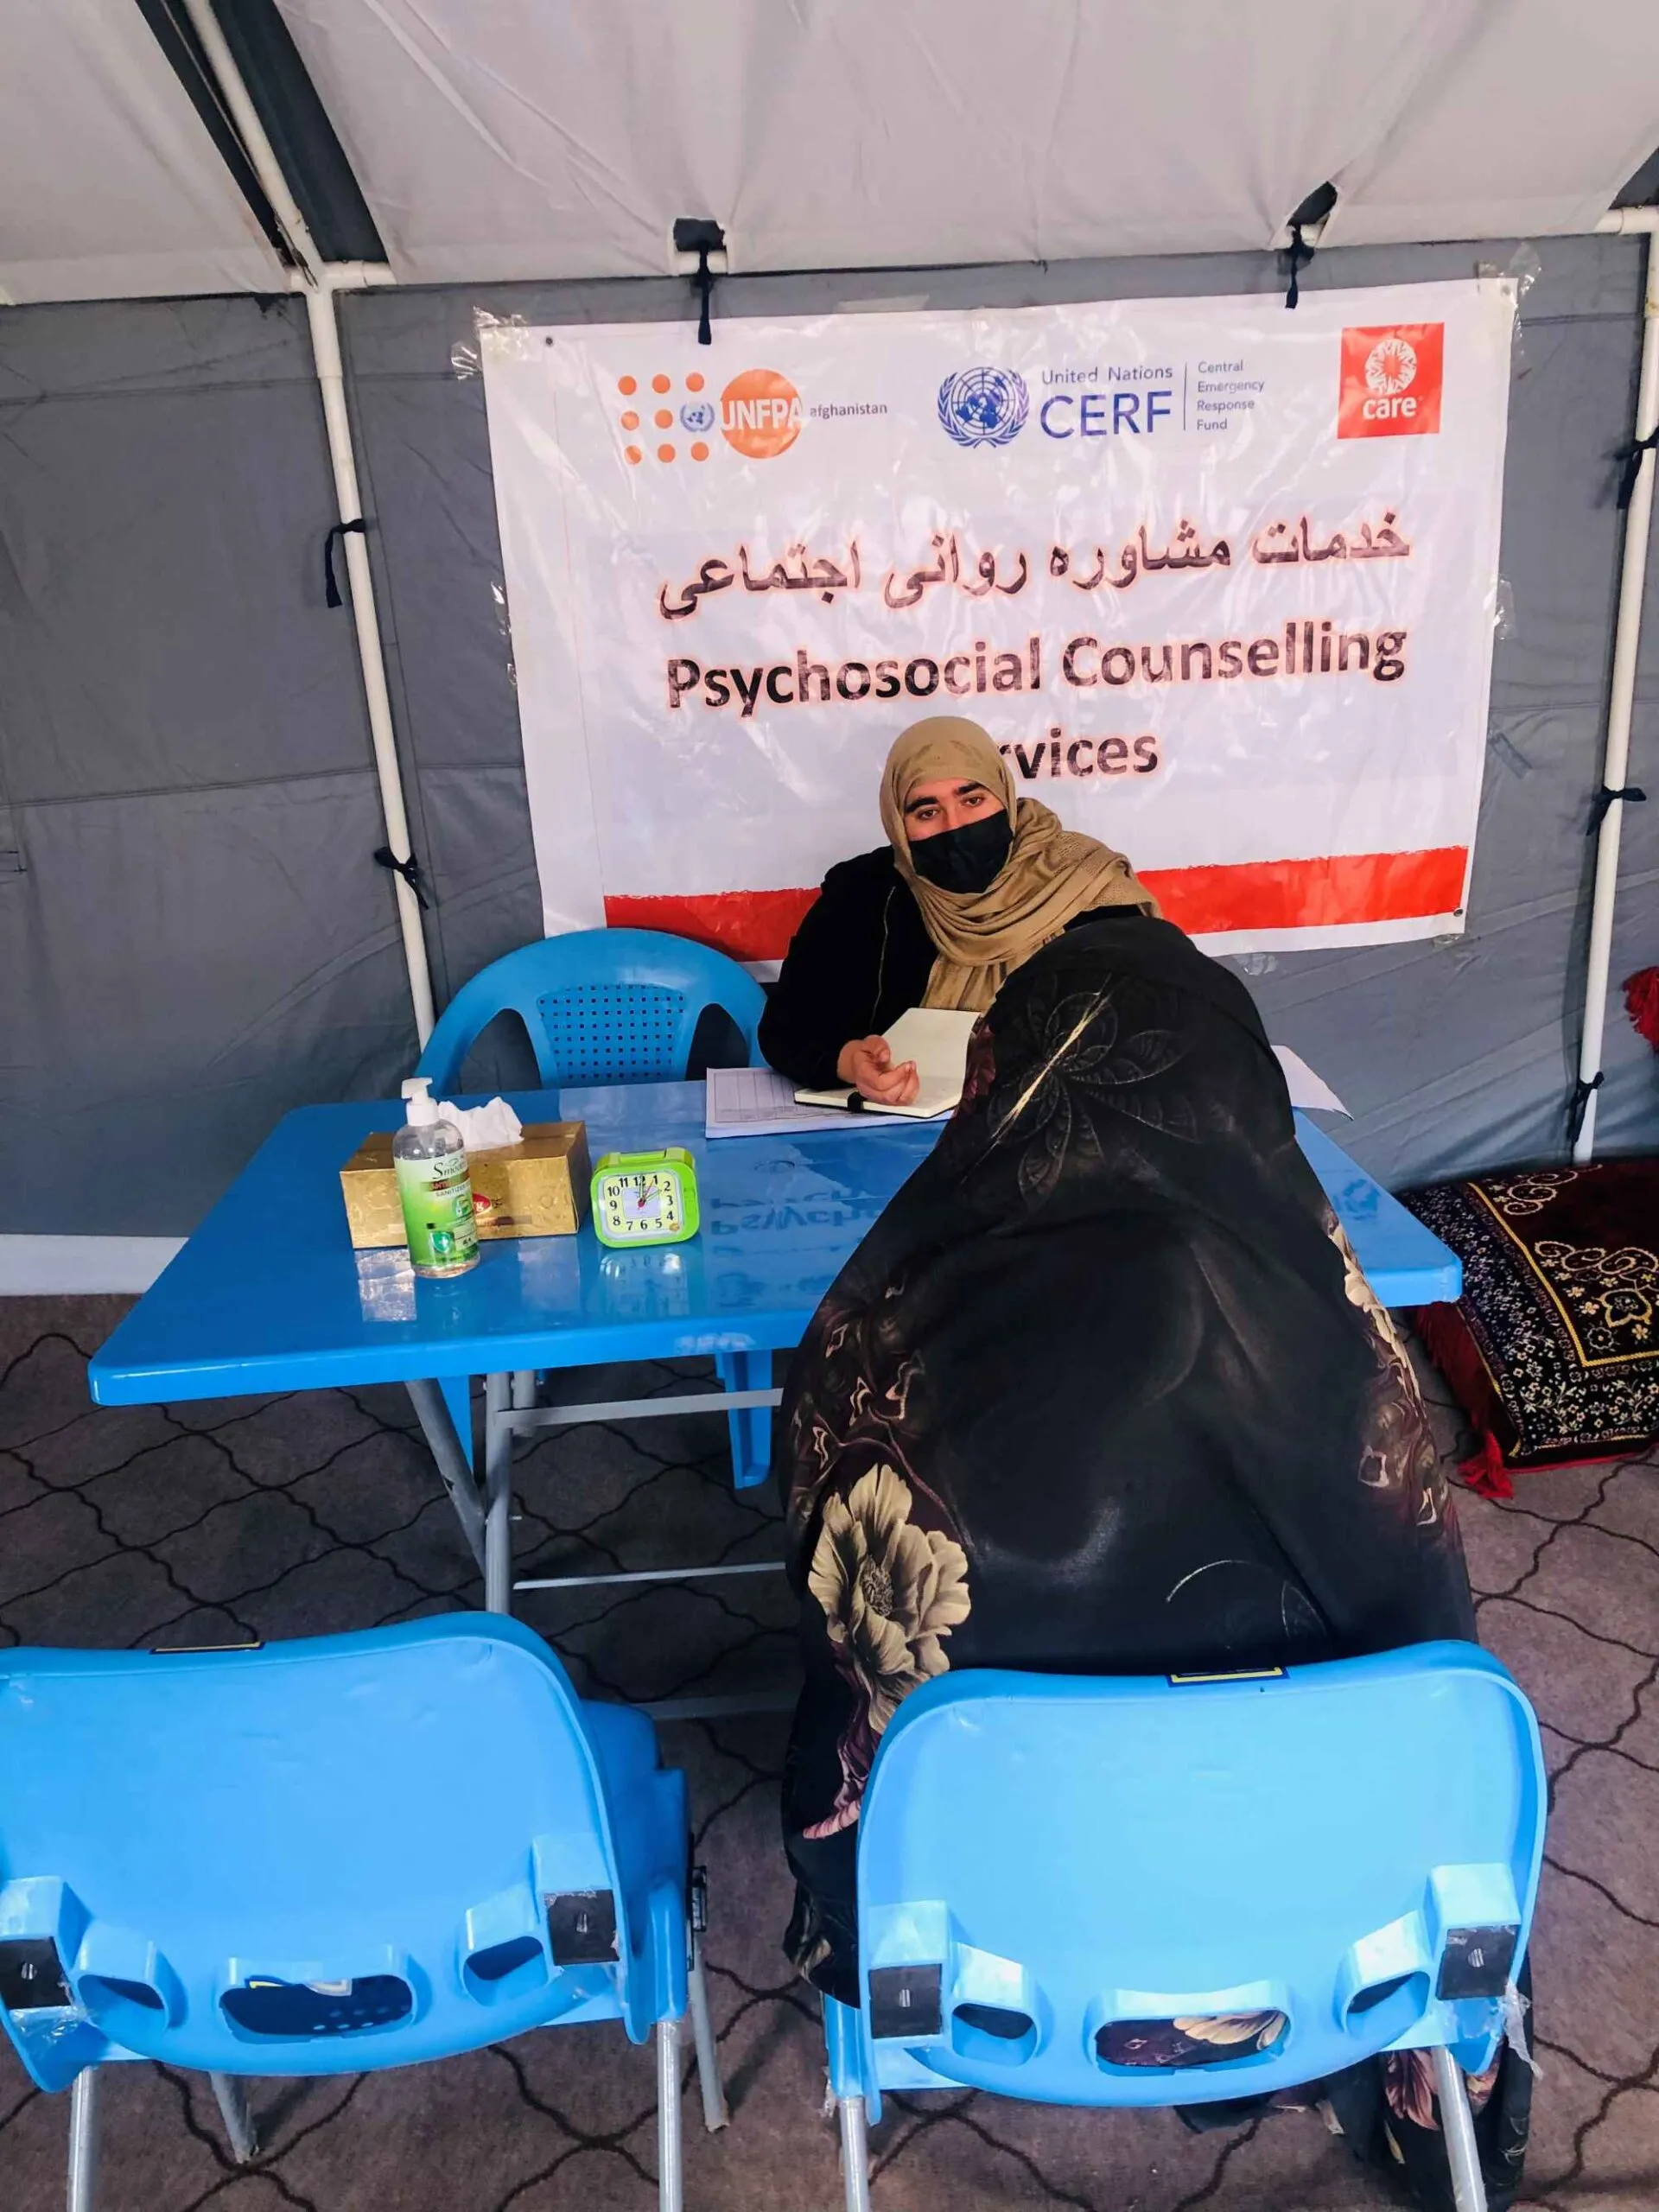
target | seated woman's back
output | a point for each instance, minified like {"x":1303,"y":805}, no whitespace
{"x":1104,"y":1390}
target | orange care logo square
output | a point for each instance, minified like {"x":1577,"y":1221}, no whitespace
{"x":1391,"y":381}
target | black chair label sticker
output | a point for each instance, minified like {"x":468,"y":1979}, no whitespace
{"x":31,"y":1975}
{"x":1477,"y":1962}
{"x":582,"y":1928}
{"x":907,"y":2002}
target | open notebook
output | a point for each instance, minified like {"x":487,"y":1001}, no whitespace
{"x":936,"y":1038}
{"x":758,"y":1102}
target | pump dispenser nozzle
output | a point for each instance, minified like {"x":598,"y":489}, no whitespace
{"x":421,"y":1107}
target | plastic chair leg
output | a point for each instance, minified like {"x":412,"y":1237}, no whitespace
{"x":83,"y":2142}
{"x":1458,"y":2129}
{"x":751,"y":1428}
{"x":715,"y":2113}
{"x":670,"y":2186}
{"x":232,"y":2097}
{"x":854,"y":2154}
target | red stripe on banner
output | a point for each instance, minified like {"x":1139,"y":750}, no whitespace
{"x":1253,"y":895}
{"x":749,"y":924}
{"x":1312,"y":894}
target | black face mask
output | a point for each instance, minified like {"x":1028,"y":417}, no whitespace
{"x":968,"y":859}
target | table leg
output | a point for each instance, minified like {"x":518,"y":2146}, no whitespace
{"x":458,"y":1396}
{"x":497,"y":1492}
{"x":455,"y":1466}
{"x":751,"y":1428}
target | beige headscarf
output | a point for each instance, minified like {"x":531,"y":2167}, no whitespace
{"x":1051,"y":876}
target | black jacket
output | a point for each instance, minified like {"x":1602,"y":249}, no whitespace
{"x":862,"y":957}
{"x":859,"y":958}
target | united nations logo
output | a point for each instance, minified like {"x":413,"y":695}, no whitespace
{"x":983,"y":407}
{"x":698,"y":415}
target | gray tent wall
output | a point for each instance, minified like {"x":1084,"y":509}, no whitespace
{"x":197,"y":938}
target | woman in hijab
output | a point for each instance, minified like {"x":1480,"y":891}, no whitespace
{"x":1104,"y":1391}
{"x":971,"y":881}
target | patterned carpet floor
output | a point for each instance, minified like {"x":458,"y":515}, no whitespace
{"x":293,"y":1516}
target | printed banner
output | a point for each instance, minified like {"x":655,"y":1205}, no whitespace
{"x":1218,"y":579}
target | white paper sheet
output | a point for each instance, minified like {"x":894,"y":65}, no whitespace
{"x":758,"y":1102}
{"x":1307,"y":1089}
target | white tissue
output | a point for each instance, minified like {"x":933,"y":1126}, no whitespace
{"x":484,"y":1129}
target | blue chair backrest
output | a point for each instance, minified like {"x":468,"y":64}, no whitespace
{"x":601,"y":1005}
{"x":1347,"y":1845}
{"x":335,"y":1854}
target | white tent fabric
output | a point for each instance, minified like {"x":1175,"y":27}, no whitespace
{"x":530,"y":140}
{"x":542,"y":139}
{"x":1547,"y":108}
{"x":110,"y":186}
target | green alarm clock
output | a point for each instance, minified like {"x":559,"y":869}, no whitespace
{"x":645,"y":1198}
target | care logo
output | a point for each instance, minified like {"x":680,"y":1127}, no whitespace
{"x":1391,"y":381}
{"x":983,"y":406}
{"x":760,"y":413}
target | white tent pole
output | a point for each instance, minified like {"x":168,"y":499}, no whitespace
{"x":244,"y":116}
{"x":1614,"y":767}
{"x":319,"y":281}
{"x":325,"y":348}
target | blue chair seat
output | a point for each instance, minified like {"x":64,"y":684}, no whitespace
{"x":1077,"y":1890}
{"x":332,"y":1856}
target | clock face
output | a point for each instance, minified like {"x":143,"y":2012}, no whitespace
{"x":641,"y":1205}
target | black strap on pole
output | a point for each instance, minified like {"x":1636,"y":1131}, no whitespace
{"x":1300,"y":254}
{"x":1631,"y":456}
{"x":409,"y":869}
{"x":337,"y":531}
{"x":1602,"y":804}
{"x":1579,"y":1104}
{"x":703,"y":285}
{"x":701,"y":235}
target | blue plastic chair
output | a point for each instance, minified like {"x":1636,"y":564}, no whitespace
{"x":1353,"y":1846}
{"x":330,"y":1856}
{"x":601,"y":1005}
{"x":605,"y":1007}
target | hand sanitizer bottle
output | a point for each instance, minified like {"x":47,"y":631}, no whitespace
{"x":435,"y":1187}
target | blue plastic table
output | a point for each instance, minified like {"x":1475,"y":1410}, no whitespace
{"x":269,"y":1296}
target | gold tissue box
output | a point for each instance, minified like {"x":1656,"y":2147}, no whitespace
{"x":538,"y":1188}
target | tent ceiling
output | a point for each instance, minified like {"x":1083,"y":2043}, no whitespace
{"x":1547,"y":108}
{"x":542,"y":139}
{"x":527,"y":139}
{"x":109,"y":184}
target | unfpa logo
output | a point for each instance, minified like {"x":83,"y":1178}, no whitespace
{"x":1391,"y":381}
{"x":983,"y":407}
{"x":760,"y":413}
{"x":696,"y":416}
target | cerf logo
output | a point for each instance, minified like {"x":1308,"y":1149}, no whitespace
{"x":1391,"y":381}
{"x":760,"y":413}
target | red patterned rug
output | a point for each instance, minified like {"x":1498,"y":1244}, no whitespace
{"x":1553,"y":1350}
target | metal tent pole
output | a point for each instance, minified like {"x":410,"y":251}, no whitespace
{"x":1627,"y":635}
{"x":319,"y":281}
